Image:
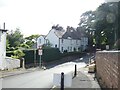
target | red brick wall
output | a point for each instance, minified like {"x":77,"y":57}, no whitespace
{"x":107,"y":68}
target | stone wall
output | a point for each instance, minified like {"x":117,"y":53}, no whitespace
{"x":108,"y":69}
{"x":12,"y":63}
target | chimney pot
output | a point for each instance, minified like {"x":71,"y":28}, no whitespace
{"x":4,"y":25}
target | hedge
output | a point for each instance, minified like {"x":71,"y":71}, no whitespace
{"x":49,"y":54}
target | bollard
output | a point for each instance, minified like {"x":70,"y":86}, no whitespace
{"x":75,"y":73}
{"x":62,"y":81}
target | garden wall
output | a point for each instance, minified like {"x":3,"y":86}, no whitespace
{"x":107,"y":66}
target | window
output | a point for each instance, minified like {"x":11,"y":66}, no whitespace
{"x":62,"y":40}
{"x":71,"y":41}
{"x":55,"y":45}
{"x":40,"y":40}
{"x":76,"y":41}
{"x":62,"y":49}
{"x":71,"y":49}
{"x":68,"y":48}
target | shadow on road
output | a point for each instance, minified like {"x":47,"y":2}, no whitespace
{"x":84,"y":59}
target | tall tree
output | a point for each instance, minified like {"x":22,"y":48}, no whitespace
{"x":31,"y":40}
{"x":106,"y":24}
{"x":102,"y":24}
{"x":15,"y":38}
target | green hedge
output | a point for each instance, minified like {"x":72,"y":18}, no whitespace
{"x":29,"y":56}
{"x":49,"y":54}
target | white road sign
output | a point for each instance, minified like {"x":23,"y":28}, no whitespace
{"x":40,"y":52}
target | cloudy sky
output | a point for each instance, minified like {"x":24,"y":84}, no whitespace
{"x":37,"y":16}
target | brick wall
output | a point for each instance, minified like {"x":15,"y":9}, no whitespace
{"x":107,"y":66}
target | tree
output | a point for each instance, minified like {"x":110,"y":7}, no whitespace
{"x":87,"y":20}
{"x":102,"y":24}
{"x":86,"y":24}
{"x":18,"y":54}
{"x":15,"y":38}
{"x":106,"y":24}
{"x":31,"y":40}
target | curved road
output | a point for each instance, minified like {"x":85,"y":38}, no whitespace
{"x":40,"y":78}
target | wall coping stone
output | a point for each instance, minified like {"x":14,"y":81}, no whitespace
{"x":104,"y":51}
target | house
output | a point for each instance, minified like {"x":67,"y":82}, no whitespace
{"x":69,"y":40}
{"x":41,"y":40}
{"x":2,"y":48}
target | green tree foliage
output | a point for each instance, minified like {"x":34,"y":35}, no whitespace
{"x":7,"y":44}
{"x":86,"y":24}
{"x":102,"y":24}
{"x":106,"y":24}
{"x":18,"y":54}
{"x":14,"y":42}
{"x":15,"y":38}
{"x":31,"y":40}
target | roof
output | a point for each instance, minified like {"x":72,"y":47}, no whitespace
{"x":3,"y":30}
{"x":70,"y":33}
{"x":59,"y":33}
{"x":43,"y":36}
{"x":73,"y":33}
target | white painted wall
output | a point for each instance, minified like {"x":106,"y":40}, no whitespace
{"x":40,"y":41}
{"x":12,"y":63}
{"x":53,"y":39}
{"x":84,"y":43}
{"x":69,"y":45}
{"x":2,"y":50}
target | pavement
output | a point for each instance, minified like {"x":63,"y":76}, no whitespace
{"x":83,"y":80}
{"x":13,"y":72}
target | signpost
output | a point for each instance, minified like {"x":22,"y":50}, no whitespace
{"x":40,"y":53}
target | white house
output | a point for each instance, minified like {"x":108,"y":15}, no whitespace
{"x":2,"y":49}
{"x":69,"y":40}
{"x":41,"y":40}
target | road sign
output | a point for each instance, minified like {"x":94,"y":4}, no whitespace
{"x":40,"y":51}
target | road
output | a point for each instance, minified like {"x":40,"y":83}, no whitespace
{"x":40,"y":78}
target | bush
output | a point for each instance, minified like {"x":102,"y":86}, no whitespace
{"x":18,"y":54}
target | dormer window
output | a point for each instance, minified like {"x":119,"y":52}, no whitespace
{"x":69,"y":37}
{"x":71,"y":30}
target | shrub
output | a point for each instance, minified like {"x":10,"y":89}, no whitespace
{"x":18,"y":54}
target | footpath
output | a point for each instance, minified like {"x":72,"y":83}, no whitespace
{"x":83,"y":81}
{"x":7,"y":73}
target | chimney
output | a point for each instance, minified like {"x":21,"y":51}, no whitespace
{"x":4,"y":25}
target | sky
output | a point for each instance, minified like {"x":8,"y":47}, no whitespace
{"x":38,"y":16}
